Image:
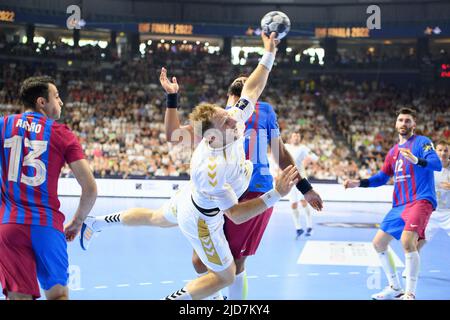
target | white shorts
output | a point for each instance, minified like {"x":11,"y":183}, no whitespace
{"x":205,"y":233}
{"x":295,"y":195}
{"x":439,"y":219}
{"x":171,"y":206}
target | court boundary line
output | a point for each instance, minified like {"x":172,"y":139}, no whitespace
{"x":282,"y":200}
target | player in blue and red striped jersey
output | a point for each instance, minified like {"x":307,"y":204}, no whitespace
{"x":411,"y":163}
{"x":33,"y":149}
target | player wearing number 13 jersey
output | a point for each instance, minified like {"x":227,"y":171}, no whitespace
{"x":33,"y":149}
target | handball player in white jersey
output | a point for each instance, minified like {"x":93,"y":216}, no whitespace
{"x":300,"y":153}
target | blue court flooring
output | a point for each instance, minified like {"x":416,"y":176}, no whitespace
{"x":150,"y":263}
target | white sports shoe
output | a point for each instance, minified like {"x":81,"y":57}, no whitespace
{"x":388,"y":293}
{"x":409,"y":296}
{"x":87,"y":232}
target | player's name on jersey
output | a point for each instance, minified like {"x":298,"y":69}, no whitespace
{"x":33,"y":127}
{"x":402,"y":178}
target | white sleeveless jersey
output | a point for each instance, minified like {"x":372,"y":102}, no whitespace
{"x":443,"y":196}
{"x":221,"y":175}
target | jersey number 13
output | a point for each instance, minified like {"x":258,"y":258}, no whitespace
{"x":30,"y":160}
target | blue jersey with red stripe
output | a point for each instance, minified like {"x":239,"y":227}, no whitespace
{"x":411,"y":181}
{"x":33,"y":149}
{"x":260,"y":129}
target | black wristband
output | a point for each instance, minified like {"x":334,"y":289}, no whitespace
{"x":304,"y":186}
{"x":172,"y":100}
{"x":364,"y":183}
{"x":422,"y":162}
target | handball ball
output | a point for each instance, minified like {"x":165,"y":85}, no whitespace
{"x":276,"y":21}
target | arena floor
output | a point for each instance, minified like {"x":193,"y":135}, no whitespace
{"x":336,"y":262}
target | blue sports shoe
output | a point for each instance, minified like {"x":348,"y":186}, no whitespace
{"x":299,"y":233}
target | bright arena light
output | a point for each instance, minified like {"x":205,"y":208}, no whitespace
{"x":312,"y":53}
{"x":142,"y":47}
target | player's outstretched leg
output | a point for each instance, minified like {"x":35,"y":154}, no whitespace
{"x":130,"y":217}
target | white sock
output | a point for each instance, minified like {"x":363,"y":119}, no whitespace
{"x":216,"y":296}
{"x":308,"y":217}
{"x":181,"y":294}
{"x":387,"y":262}
{"x":412,"y":263}
{"x":239,"y":288}
{"x":296,"y":217}
{"x":108,"y":220}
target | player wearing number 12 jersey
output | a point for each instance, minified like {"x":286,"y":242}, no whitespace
{"x":33,"y":149}
{"x":411,"y":163}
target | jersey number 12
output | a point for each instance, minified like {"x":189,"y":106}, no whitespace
{"x":399,"y":165}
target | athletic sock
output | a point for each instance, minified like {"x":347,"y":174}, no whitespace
{"x":238,"y":290}
{"x":387,"y":262}
{"x":308,"y":217}
{"x":181,"y":294}
{"x":108,"y":220}
{"x":412,"y":266}
{"x":296,"y":217}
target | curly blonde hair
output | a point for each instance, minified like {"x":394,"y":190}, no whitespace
{"x":201,"y":117}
